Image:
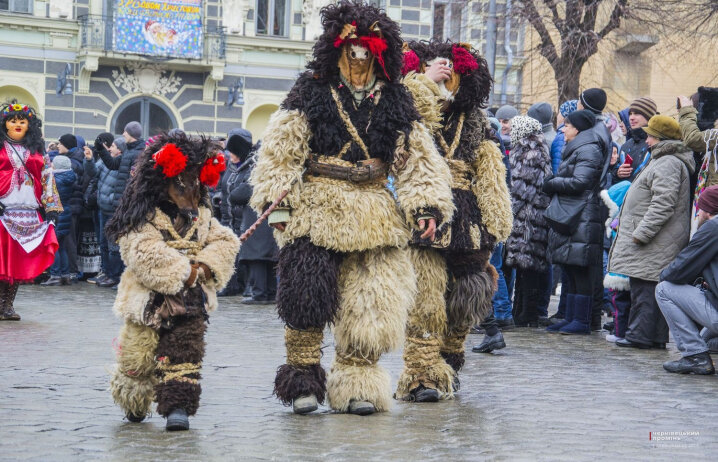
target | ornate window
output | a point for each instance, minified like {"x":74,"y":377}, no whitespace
{"x":154,"y":116}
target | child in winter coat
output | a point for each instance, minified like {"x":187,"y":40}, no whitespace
{"x":618,"y":285}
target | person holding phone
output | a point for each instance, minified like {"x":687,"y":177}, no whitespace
{"x":634,"y":154}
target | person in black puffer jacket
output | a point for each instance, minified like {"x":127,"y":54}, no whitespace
{"x":580,"y":175}
{"x":124,"y":164}
{"x":526,"y":246}
{"x":68,"y":147}
{"x":239,"y":144}
{"x":260,"y":252}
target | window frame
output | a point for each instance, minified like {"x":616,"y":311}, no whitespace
{"x":448,"y":6}
{"x":11,"y":7}
{"x":270,"y":18}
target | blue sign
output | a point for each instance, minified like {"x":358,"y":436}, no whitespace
{"x":172,"y":29}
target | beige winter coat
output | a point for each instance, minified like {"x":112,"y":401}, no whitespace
{"x":656,"y":212}
{"x":154,"y":266}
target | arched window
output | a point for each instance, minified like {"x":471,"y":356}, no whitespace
{"x":153,"y":115}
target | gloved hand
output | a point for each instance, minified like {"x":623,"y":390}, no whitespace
{"x":99,"y":146}
{"x":52,"y":216}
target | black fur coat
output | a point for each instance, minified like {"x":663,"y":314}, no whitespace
{"x":527,"y":244}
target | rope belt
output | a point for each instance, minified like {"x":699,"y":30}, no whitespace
{"x":460,"y":174}
{"x":372,"y":170}
{"x":304,"y":347}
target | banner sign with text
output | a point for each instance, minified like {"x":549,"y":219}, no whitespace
{"x":172,"y":29}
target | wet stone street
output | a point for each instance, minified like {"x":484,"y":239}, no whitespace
{"x":544,"y":397}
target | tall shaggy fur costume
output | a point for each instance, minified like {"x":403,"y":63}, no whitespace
{"x":163,"y":361}
{"x":482,"y":218}
{"x":343,"y":258}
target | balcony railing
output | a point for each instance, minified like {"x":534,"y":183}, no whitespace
{"x":97,"y":32}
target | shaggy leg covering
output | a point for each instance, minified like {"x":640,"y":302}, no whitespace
{"x":307,"y":294}
{"x":292,"y":382}
{"x":452,"y":349}
{"x":425,"y":326}
{"x":179,"y":356}
{"x":469,"y":300}
{"x":302,"y":375}
{"x":377,"y":289}
{"x":133,"y":380}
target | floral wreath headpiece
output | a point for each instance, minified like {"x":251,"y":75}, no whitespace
{"x":463,"y":61}
{"x":173,"y":162}
{"x":9,"y":109}
{"x":374,"y":42}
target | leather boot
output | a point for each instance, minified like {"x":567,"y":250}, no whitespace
{"x":569,"y":315}
{"x":581,"y":323}
{"x":700,"y":364}
{"x":7,"y":298}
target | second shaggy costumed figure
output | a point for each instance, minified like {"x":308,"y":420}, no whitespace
{"x":177,"y":256}
{"x":450,"y":84}
{"x":347,"y":123}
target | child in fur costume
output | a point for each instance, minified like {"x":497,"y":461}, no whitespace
{"x":344,"y":126}
{"x":450,"y":84}
{"x":177,"y":256}
{"x":618,"y":285}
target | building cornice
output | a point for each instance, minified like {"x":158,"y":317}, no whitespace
{"x":38,"y":23}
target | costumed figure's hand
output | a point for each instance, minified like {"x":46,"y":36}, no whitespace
{"x":199,"y":273}
{"x":278,"y":218}
{"x":279,"y":226}
{"x":636,"y":241}
{"x":438,"y":71}
{"x":430,"y":226}
{"x":52,"y":217}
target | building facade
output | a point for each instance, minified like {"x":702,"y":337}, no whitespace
{"x":205,"y":66}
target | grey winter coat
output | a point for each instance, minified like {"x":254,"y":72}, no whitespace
{"x":655,"y":212}
{"x":106,"y":194}
{"x":530,"y":164}
{"x":261,"y":246}
{"x":124,"y":165}
{"x":580,"y":175}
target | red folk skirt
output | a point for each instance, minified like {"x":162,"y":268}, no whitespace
{"x":18,"y":266}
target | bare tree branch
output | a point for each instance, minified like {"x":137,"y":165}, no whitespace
{"x":614,"y":21}
{"x":547,"y":48}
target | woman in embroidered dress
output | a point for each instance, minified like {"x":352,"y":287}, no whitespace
{"x":27,"y":188}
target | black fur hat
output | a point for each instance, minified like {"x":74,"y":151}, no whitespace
{"x":475,"y":86}
{"x":335,"y":17}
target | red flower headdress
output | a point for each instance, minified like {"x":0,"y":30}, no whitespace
{"x":211,"y":170}
{"x":464,"y":61}
{"x":171,"y":159}
{"x":374,"y":42}
{"x":412,"y":63}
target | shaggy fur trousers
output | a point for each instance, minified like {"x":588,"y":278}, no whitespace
{"x":366,"y":296}
{"x":160,"y":365}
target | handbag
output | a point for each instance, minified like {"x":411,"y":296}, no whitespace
{"x":564,"y":212}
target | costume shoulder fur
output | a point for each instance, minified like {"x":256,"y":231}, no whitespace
{"x":155,"y":266}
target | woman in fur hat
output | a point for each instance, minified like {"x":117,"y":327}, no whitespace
{"x":346,"y":124}
{"x":27,"y":189}
{"x":177,"y":256}
{"x":526,"y":247}
{"x":450,"y":84}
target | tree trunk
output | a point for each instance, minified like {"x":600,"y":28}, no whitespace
{"x":568,"y":80}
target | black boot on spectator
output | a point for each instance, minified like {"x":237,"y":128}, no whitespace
{"x":581,"y":316}
{"x":700,"y":364}
{"x":490,"y":343}
{"x":568,"y":317}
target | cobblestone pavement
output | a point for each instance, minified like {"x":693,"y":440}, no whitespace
{"x":544,"y":397}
